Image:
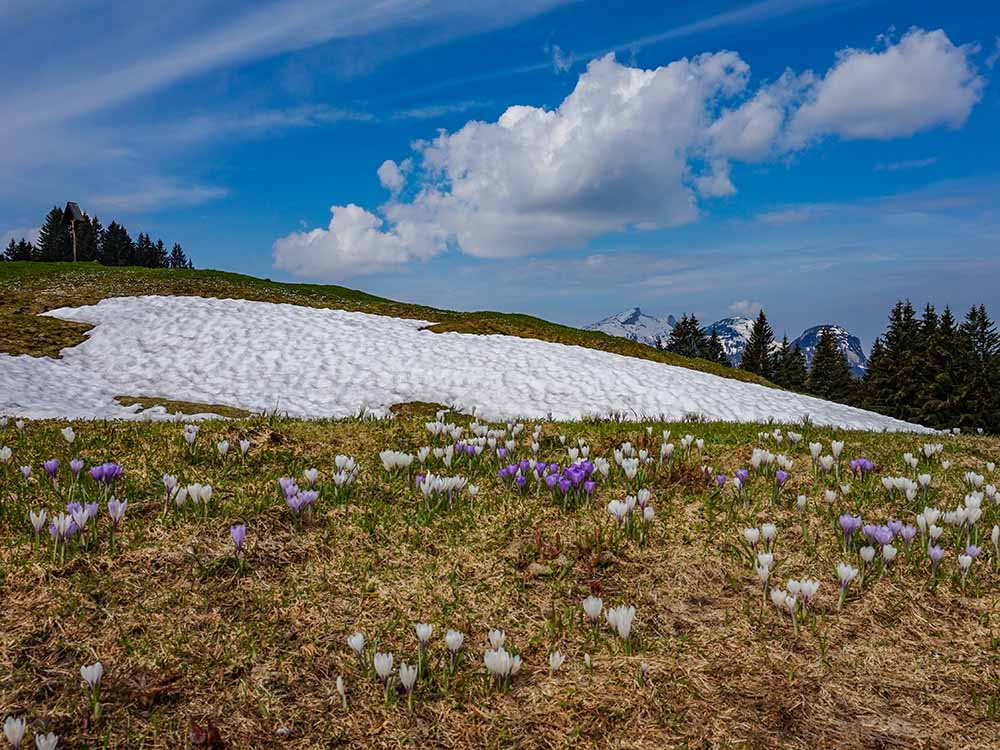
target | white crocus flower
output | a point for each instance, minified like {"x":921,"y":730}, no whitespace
{"x":592,"y":606}
{"x":14,"y":730}
{"x":556,"y":660}
{"x":407,"y":676}
{"x":46,"y":741}
{"x":424,"y":631}
{"x":92,"y":674}
{"x":454,"y":639}
{"x":497,"y":639}
{"x":383,"y":665}
{"x":68,"y":435}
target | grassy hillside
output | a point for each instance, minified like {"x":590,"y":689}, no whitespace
{"x":27,"y":289}
{"x":186,"y":632}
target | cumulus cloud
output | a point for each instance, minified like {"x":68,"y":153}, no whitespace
{"x":354,"y":243}
{"x":921,"y":82}
{"x":631,"y":148}
{"x":391,"y":176}
{"x":746,"y":308}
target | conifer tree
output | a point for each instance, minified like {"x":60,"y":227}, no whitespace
{"x":714,"y":351}
{"x":757,"y":356}
{"x":830,"y":376}
{"x":979,"y":390}
{"x":117,"y":248}
{"x":946,"y":356}
{"x":160,"y":257}
{"x":687,"y":338}
{"x":54,"y":241}
{"x":790,"y":370}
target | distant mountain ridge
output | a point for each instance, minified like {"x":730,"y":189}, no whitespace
{"x":733,"y":334}
{"x":848,"y":343}
{"x":635,"y":325}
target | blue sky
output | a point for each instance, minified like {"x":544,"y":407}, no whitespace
{"x":821,"y":159}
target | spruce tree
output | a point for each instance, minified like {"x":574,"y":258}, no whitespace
{"x":54,"y":241}
{"x":945,"y":368}
{"x":160,"y":257}
{"x":117,"y":248}
{"x":830,"y":376}
{"x":713,"y":350}
{"x":687,"y":338}
{"x":11,"y":251}
{"x":790,"y":367}
{"x":894,"y":380}
{"x":757,"y":356}
{"x":980,"y":390}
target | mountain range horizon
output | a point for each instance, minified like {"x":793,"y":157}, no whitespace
{"x":733,"y":333}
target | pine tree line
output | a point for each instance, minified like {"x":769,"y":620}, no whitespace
{"x":689,"y":339}
{"x":111,"y":246}
{"x":936,"y":371}
{"x":930,"y":369}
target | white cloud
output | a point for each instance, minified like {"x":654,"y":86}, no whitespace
{"x":631,"y":148}
{"x":561,"y":62}
{"x":746,"y":308}
{"x":994,"y":55}
{"x":895,"y":166}
{"x":354,"y":243}
{"x":391,"y":176}
{"x":924,"y":81}
{"x":30,"y":234}
{"x":154,"y":195}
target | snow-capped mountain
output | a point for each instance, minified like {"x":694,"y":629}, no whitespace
{"x":635,"y":325}
{"x":733,"y":333}
{"x":849,"y":344}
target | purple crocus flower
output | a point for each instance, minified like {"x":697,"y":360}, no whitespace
{"x":894,"y":526}
{"x":308,"y":497}
{"x":90,"y":509}
{"x":564,"y":485}
{"x":116,"y":509}
{"x":238,"y":535}
{"x":973,"y":551}
{"x":780,"y":477}
{"x":908,"y":532}
{"x":883,"y":535}
{"x":743,"y":475}
{"x":26,"y":472}
{"x":849,"y":524}
{"x":76,"y":466}
{"x":551,"y":480}
{"x":936,"y":554}
{"x":721,"y":480}
{"x":861,"y":467}
{"x":51,"y":468}
{"x":501,"y":453}
{"x":520,"y":481}
{"x":106,"y":473}
{"x":589,"y":486}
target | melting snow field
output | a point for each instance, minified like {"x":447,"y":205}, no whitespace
{"x":308,"y":362}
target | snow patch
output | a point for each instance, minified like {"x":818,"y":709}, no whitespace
{"x":309,"y":362}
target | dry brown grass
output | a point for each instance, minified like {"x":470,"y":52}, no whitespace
{"x":183,"y":637}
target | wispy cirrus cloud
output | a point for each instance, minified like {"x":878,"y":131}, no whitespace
{"x":895,"y":166}
{"x":155,"y":195}
{"x":89,"y":98}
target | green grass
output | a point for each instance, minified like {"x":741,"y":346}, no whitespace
{"x":185,"y":635}
{"x":27,"y":289}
